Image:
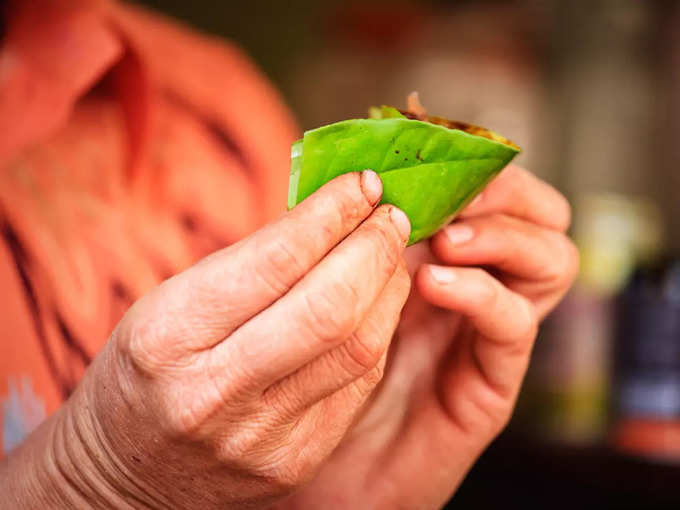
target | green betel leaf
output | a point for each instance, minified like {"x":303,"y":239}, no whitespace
{"x":295,"y":167}
{"x":428,"y":170}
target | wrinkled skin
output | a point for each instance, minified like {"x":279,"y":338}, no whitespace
{"x":254,"y":378}
{"x":460,"y":352}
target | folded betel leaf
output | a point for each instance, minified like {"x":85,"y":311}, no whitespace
{"x":430,"y":167}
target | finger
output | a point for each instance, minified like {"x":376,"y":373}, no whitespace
{"x":357,"y":360}
{"x":505,"y":320}
{"x":516,"y":247}
{"x":322,"y":310}
{"x":211,"y":299}
{"x":517,"y":192}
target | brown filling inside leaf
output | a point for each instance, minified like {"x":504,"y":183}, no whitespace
{"x":416,"y":111}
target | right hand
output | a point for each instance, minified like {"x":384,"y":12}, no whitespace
{"x":232,"y":382}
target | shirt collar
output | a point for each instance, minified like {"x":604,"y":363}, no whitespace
{"x":53,"y":52}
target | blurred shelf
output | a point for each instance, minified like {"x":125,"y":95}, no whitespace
{"x":519,"y":472}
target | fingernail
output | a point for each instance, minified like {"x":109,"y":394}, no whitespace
{"x":458,"y":233}
{"x":401,"y":221}
{"x":371,"y":185}
{"x":442,"y":275}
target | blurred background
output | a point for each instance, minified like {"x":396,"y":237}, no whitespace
{"x":591,"y":92}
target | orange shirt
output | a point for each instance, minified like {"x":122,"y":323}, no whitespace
{"x":129,"y":148}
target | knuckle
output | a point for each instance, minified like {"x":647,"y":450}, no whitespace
{"x":346,"y":203}
{"x":528,"y":321}
{"x":136,"y":341}
{"x":488,"y":292}
{"x":383,"y":241}
{"x":281,"y":266}
{"x":351,"y":204}
{"x":573,"y":257}
{"x":283,"y":468}
{"x":327,"y":310}
{"x":362,"y":351}
{"x":371,"y":379}
{"x":185,"y":419}
{"x":181,"y":425}
{"x":563,"y":267}
{"x":480,"y":414}
{"x":364,"y":386}
{"x":130,"y":337}
{"x":491,"y":420}
{"x":234,"y":383}
{"x":287,"y":398}
{"x":491,"y":413}
{"x":287,"y":477}
{"x":245,"y":448}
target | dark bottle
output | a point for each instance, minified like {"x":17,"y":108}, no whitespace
{"x":646,"y":387}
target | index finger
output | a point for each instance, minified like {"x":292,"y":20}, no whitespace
{"x":211,"y":299}
{"x":517,"y":192}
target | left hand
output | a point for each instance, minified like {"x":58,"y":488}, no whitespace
{"x":455,"y":368}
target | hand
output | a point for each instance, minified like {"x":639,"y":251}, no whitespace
{"x":232,"y":382}
{"x":455,"y":368}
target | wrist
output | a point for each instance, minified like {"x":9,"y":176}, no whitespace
{"x":78,"y":461}
{"x":93,"y":451}
{"x":53,"y":469}
{"x":78,"y":465}
{"x":69,"y":462}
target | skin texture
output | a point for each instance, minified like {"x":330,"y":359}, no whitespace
{"x":261,"y":376}
{"x":460,"y":353}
